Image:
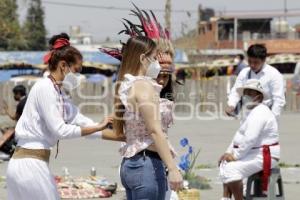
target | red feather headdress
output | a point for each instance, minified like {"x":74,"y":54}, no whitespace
{"x":148,"y":27}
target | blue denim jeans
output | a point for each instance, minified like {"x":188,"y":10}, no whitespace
{"x":144,"y":178}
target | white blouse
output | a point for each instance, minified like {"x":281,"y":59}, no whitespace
{"x":42,"y":123}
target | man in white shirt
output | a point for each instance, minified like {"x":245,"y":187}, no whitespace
{"x":255,"y":146}
{"x":270,"y":78}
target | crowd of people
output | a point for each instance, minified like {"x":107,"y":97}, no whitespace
{"x":143,"y":112}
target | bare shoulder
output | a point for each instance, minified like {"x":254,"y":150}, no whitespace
{"x":143,"y":90}
{"x":143,"y":86}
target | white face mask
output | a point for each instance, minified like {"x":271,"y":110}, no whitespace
{"x":236,"y":60}
{"x":248,"y":101}
{"x":153,"y":69}
{"x":71,"y":81}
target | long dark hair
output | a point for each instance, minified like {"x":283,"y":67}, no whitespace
{"x":168,"y":92}
{"x":130,"y":64}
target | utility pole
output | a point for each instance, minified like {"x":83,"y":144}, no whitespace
{"x":168,"y":15}
{"x":235,"y":41}
{"x":285,"y":9}
{"x":199,"y":14}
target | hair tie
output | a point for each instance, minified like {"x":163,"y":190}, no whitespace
{"x":59,"y":43}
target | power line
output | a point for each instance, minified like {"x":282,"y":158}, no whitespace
{"x":156,"y":9}
{"x":109,"y":7}
{"x":260,"y":11}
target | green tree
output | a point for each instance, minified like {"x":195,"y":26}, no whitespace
{"x":10,"y":33}
{"x":34,"y":29}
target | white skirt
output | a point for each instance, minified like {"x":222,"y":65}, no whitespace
{"x":30,"y":179}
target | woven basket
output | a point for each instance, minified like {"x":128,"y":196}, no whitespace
{"x":190,"y":194}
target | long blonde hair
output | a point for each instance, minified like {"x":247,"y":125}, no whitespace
{"x":131,"y":64}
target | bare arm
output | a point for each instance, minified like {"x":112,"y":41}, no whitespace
{"x":11,"y":116}
{"x":148,"y":105}
{"x":85,"y":131}
{"x":109,"y":134}
{"x":8,"y":113}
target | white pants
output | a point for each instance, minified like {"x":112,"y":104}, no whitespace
{"x":241,"y":169}
{"x":30,"y":179}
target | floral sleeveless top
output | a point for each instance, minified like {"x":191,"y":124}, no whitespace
{"x":137,"y":136}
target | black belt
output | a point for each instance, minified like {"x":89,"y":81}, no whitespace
{"x":149,"y":153}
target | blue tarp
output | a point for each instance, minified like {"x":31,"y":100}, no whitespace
{"x":5,"y":75}
{"x":36,"y":58}
{"x":180,"y":57}
{"x":96,"y":78}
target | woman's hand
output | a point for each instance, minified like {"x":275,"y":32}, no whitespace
{"x":85,"y":131}
{"x":107,"y":120}
{"x":175,"y":179}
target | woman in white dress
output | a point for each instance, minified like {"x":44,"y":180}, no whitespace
{"x":47,"y":118}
